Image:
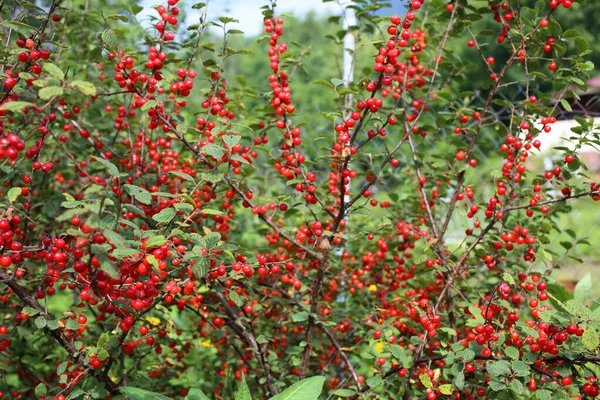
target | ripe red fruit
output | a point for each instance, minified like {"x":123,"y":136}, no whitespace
{"x":10,"y":82}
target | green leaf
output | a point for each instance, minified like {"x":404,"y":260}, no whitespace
{"x":344,"y":392}
{"x":149,"y":104}
{"x":459,"y":381}
{"x":571,"y":33}
{"x":516,"y":386}
{"x":196,"y":394}
{"x":300,"y":316}
{"x":508,"y":278}
{"x":16,"y":105}
{"x":54,"y":70}
{"x":118,"y":17}
{"x":236,"y":298}
{"x":41,"y":390}
{"x":75,"y":394}
{"x":183,"y":175}
{"x":140,"y":194}
{"x":62,"y":367}
{"x":112,"y":168}
{"x":231,"y":140}
{"x":84,"y":87}
{"x":496,"y":386}
{"x":583,"y":288}
{"x":53,"y":325}
{"x":425,"y":380}
{"x":243,"y":392}
{"x":581,"y":45}
{"x":227,"y":20}
{"x":213,"y":150}
{"x":103,"y":355}
{"x":156,"y":241}
{"x":13,"y":194}
{"x":306,"y":389}
{"x":322,"y":82}
{"x":120,"y":254}
{"x":209,"y":211}
{"x":50,"y":91}
{"x":109,"y":38}
{"x":141,"y":394}
{"x":445,"y":389}
{"x":512,"y":352}
{"x":165,"y":215}
{"x":498,"y":368}
{"x":590,"y":338}
{"x":30,"y":311}
{"x":40,"y":322}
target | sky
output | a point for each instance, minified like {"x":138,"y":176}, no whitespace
{"x":248,"y":12}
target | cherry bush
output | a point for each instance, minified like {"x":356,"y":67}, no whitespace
{"x":159,"y":238}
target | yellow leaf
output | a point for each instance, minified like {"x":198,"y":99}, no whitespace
{"x":153,"y":320}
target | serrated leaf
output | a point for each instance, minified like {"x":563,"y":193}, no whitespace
{"x":156,"y":241}
{"x":84,"y":87}
{"x":183,"y":175}
{"x":236,"y":298}
{"x":231,"y":140}
{"x":300,"y":316}
{"x":75,"y":394}
{"x":344,"y":392}
{"x":41,"y":390}
{"x":53,"y":325}
{"x":496,"y":386}
{"x":516,"y":386}
{"x":149,"y":104}
{"x":140,"y":194}
{"x":141,"y":394}
{"x":581,"y":45}
{"x":54,"y":70}
{"x":306,"y":389}
{"x":109,"y":38}
{"x":243,"y":392}
{"x":425,"y":381}
{"x":512,"y":352}
{"x":209,"y":211}
{"x":62,"y":367}
{"x":112,"y":168}
{"x":226,"y":20}
{"x":590,"y":338}
{"x":103,"y":355}
{"x":13,"y":194}
{"x":498,"y":368}
{"x":118,"y":17}
{"x":213,"y":150}
{"x":40,"y":322}
{"x":459,"y":381}
{"x":196,"y":394}
{"x":165,"y":215}
{"x":50,"y":91}
{"x":16,"y":105}
{"x":445,"y":389}
{"x":508,"y":278}
{"x":323,"y":83}
{"x":120,"y":254}
{"x":29,"y":311}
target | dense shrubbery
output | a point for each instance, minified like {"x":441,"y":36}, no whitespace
{"x":169,"y":228}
